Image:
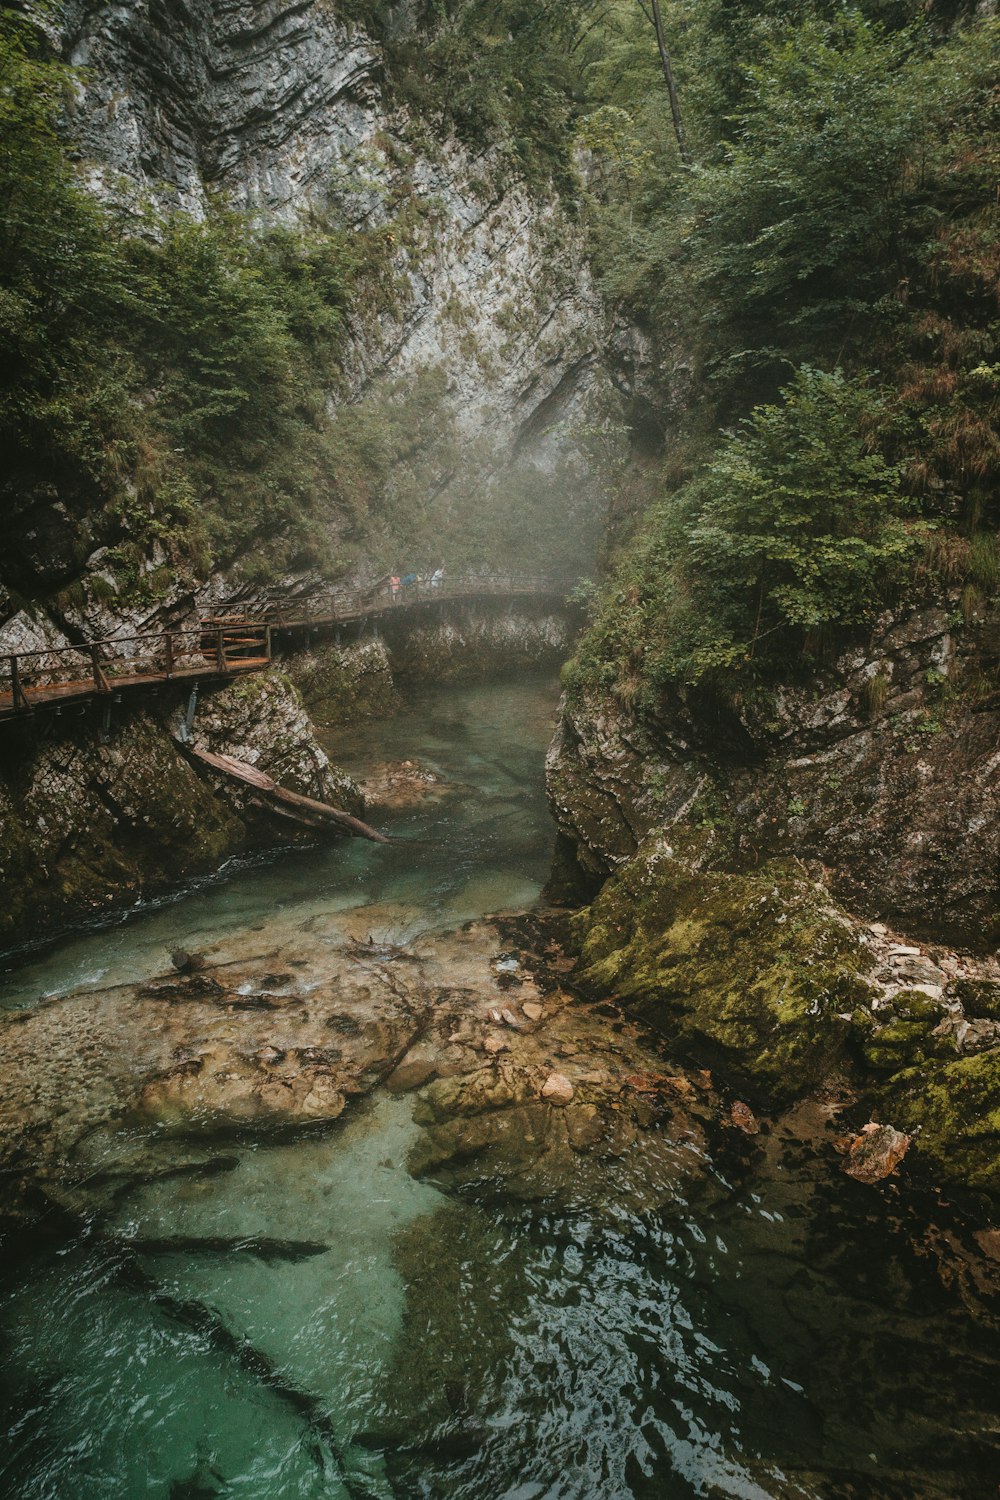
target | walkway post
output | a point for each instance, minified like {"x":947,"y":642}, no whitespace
{"x":168,"y":652}
{"x":19,"y":695}
{"x":100,"y":681}
{"x":220,"y":651}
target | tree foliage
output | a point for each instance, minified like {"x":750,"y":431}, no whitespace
{"x":827,"y":276}
{"x":796,"y":527}
{"x":501,"y":76}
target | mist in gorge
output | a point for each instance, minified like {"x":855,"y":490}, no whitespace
{"x":499,"y":707}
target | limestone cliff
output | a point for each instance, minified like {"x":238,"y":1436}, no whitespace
{"x":282,"y":112}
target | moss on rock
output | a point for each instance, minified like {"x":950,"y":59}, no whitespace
{"x":345,"y":684}
{"x":756,"y":973}
{"x":907,"y":1037}
{"x":85,"y":825}
{"x":955,"y":1106}
{"x":979,"y":997}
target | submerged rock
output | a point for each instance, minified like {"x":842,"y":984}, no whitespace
{"x":110,"y":1086}
{"x":402,"y":783}
{"x":744,"y":1118}
{"x":278,"y":1042}
{"x":557,"y":1089}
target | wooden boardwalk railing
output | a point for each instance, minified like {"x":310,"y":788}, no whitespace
{"x":102,"y":669}
{"x":227,"y":644}
{"x":336,"y":606}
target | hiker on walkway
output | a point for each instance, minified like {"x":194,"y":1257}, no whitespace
{"x":394,"y":586}
{"x":437,"y":577}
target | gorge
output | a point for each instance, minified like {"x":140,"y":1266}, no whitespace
{"x":628,"y":1124}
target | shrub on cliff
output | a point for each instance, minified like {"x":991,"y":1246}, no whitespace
{"x":166,"y":379}
{"x":800,"y":519}
{"x":798,"y":525}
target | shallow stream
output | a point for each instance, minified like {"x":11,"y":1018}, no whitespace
{"x":775,"y":1330}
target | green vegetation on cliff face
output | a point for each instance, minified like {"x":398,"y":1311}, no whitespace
{"x":175,"y":389}
{"x":501,"y":76}
{"x":162,"y":379}
{"x":824,"y":281}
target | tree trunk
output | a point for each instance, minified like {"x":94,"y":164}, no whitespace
{"x":668,"y":74}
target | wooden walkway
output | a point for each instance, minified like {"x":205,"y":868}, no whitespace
{"x":227,"y":645}
{"x":344,"y":607}
{"x":103,"y":670}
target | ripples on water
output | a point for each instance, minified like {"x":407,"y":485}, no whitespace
{"x":786,"y":1334}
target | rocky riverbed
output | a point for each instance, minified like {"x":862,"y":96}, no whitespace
{"x":322,"y":1175}
{"x":517,"y":1078}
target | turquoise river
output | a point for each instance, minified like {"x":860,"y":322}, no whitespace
{"x":767,"y":1329}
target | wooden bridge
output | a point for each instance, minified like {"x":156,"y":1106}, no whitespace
{"x":226,"y":645}
{"x":343,"y":606}
{"x":60,"y":675}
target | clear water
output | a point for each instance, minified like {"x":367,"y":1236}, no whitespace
{"x":778,"y":1332}
{"x":485,"y":848}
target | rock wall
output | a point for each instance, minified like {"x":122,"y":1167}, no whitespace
{"x":91,"y":822}
{"x":345,"y":683}
{"x":879,"y":772}
{"x":354,"y":681}
{"x":281,"y":106}
{"x":801,"y":889}
{"x":470,"y":643}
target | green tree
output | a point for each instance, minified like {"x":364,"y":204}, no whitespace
{"x":801,"y":521}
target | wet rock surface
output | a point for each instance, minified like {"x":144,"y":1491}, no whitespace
{"x":98,"y":818}
{"x":345,"y":683}
{"x":876,"y":1152}
{"x":878,"y":771}
{"x":872,"y":783}
{"x":97,"y":1083}
{"x":493,"y":637}
{"x":766,"y":978}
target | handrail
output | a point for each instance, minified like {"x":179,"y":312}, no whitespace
{"x":277,"y":608}
{"x":98,"y":665}
{"x":225,"y":643}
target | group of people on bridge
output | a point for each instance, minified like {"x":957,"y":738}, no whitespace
{"x":397,"y":583}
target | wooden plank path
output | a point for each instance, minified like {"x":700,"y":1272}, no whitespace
{"x":103,"y":670}
{"x":229,"y":644}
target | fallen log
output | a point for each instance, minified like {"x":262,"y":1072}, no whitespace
{"x":277,"y":799}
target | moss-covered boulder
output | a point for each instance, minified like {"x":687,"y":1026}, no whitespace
{"x":979,"y":998}
{"x":757,"y":974}
{"x":345,"y":684}
{"x":955,"y":1107}
{"x":905,"y":1036}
